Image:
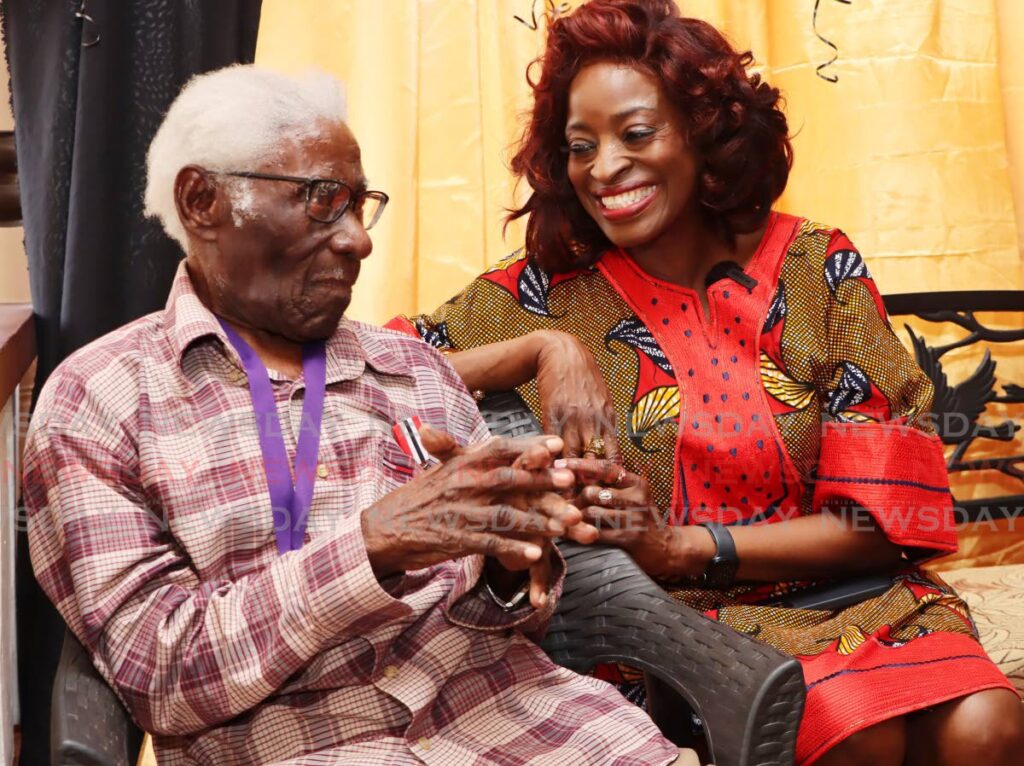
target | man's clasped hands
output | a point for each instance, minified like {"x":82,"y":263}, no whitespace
{"x":506,"y":499}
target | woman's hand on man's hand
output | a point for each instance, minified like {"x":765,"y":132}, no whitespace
{"x":618,"y":503}
{"x":500,"y":498}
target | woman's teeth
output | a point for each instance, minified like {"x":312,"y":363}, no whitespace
{"x":619,"y":201}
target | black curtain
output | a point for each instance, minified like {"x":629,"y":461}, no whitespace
{"x":90,"y":83}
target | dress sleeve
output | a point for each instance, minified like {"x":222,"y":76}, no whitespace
{"x":436,"y":328}
{"x":507,"y":300}
{"x":878,"y":450}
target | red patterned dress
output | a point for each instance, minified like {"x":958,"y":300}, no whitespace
{"x":790,"y":396}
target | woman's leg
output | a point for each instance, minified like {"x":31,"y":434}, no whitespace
{"x":883,"y":744}
{"x":983,"y":728}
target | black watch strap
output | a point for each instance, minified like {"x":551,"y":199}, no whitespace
{"x":721,"y":570}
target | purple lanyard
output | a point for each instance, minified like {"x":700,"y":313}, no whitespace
{"x":290,"y":503}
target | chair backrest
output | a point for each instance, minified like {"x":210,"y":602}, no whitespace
{"x":506,"y":414}
{"x":88,"y":724}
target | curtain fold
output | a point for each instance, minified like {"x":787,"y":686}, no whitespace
{"x":914,"y":150}
{"x":90,"y":83}
{"x":1010,"y":23}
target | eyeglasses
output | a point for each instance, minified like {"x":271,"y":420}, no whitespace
{"x":327,"y":199}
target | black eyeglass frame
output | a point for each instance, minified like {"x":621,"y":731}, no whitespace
{"x":309,"y":183}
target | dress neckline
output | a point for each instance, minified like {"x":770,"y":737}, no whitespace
{"x":730,"y":461}
{"x":753,"y":267}
{"x":617,"y":261}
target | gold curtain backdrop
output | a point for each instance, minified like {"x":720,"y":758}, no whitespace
{"x":916,"y":150}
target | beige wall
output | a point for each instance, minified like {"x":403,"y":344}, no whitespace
{"x":13,"y":265}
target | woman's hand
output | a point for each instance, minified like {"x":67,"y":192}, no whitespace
{"x":618,"y":504}
{"x":575,"y":401}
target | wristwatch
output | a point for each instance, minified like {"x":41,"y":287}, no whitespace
{"x":512,"y":603}
{"x":721,"y":570}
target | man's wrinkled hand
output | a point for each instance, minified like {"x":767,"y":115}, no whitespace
{"x":501,"y":498}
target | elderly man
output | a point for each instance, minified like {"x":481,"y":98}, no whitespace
{"x":221,"y":510}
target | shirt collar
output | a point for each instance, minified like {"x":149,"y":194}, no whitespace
{"x":355,"y":344}
{"x":352,"y":347}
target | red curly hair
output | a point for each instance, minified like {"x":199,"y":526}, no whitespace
{"x":734,"y":120}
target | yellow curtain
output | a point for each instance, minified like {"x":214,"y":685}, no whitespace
{"x":435,"y":91}
{"x":915,"y":150}
{"x":1010,"y":21}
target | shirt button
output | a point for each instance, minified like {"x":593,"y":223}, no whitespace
{"x":321,"y":471}
{"x":424,"y":743}
{"x":390,"y":671}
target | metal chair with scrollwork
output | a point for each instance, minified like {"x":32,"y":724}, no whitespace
{"x":959,"y":409}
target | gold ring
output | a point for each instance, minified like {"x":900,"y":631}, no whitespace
{"x":595,"y":446}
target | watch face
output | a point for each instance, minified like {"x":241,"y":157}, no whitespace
{"x":720,"y":573}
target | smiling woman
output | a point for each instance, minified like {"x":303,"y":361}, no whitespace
{"x":709,"y":141}
{"x":635,"y":173}
{"x":600,"y":145}
{"x":762,"y":424}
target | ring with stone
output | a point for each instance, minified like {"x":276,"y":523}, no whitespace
{"x":595,"y":447}
{"x":605,"y":496}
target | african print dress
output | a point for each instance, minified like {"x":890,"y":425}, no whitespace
{"x":791,"y":395}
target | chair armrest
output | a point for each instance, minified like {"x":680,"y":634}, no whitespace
{"x":838,"y":595}
{"x":88,"y":724}
{"x":749,"y":695}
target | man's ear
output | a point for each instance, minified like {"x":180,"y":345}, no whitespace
{"x":202,"y":205}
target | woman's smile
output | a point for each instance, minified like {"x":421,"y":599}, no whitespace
{"x":626,"y":204}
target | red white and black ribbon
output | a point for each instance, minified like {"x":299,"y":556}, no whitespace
{"x":407,"y":434}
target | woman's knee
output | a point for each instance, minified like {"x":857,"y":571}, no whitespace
{"x":883,"y":744}
{"x":988,"y":726}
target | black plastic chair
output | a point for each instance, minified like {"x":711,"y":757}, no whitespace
{"x":748,"y":695}
{"x":88,"y":724}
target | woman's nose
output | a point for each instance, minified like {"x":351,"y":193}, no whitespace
{"x":609,"y":163}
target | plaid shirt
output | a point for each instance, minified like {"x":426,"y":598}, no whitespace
{"x":151,"y":530}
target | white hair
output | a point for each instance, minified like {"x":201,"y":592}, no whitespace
{"x":236,"y":118}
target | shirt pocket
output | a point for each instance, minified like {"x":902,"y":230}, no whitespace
{"x":396,"y":466}
{"x":361,"y":462}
